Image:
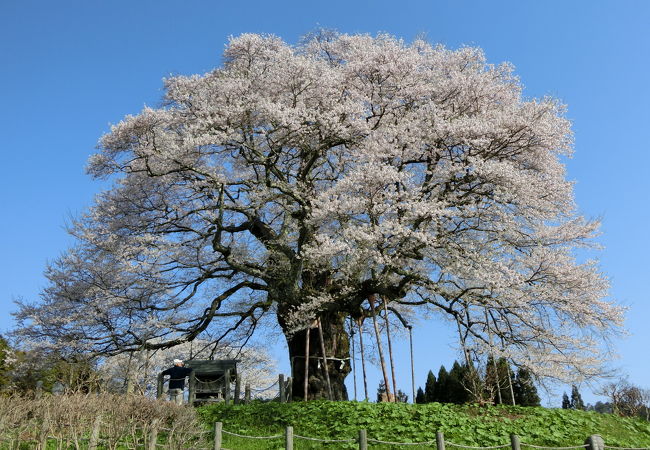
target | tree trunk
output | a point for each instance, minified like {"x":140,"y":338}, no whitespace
{"x":337,"y":347}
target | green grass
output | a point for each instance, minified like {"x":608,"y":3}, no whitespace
{"x":466,"y":424}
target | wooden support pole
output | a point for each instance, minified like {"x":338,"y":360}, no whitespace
{"x":306,"y":383}
{"x":390,"y":348}
{"x":218,"y":427}
{"x":281,"y":387}
{"x":159,"y":386}
{"x":363,"y":440}
{"x":288,"y":438}
{"x":238,"y":389}
{"x":289,"y":389}
{"x":327,"y":372}
{"x":247,"y":393}
{"x":515,"y":443}
{"x":440,"y":441}
{"x":595,"y":442}
{"x":380,"y":350}
{"x":363,"y":360}
{"x":226,"y":394}
{"x":191,"y":397}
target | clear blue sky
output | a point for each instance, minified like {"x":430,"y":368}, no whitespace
{"x":69,"y":68}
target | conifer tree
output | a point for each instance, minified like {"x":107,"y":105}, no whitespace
{"x":430,"y":388}
{"x":441,"y":392}
{"x":525,"y":390}
{"x":576,"y":399}
{"x":566,"y":404}
{"x":456,"y":384}
{"x":420,"y":396}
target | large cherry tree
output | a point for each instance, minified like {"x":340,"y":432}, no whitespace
{"x":299,"y":182}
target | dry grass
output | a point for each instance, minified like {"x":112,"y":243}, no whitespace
{"x":68,"y":421}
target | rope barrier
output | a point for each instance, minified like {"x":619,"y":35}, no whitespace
{"x":477,"y":448}
{"x":377,"y":441}
{"x":252,"y":437}
{"x":264,"y":389}
{"x":627,"y":448}
{"x":557,"y":448}
{"x":322,"y":440}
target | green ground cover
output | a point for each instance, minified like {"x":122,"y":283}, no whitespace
{"x":461,"y":424}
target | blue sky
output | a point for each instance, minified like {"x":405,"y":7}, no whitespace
{"x":69,"y":68}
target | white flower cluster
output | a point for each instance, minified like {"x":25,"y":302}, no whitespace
{"x":299,"y":180}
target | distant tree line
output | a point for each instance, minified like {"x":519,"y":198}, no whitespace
{"x":496,"y":384}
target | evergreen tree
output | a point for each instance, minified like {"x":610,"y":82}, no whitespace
{"x":430,"y":388}
{"x":441,"y":391}
{"x":505,"y":379}
{"x":490,"y":382}
{"x":456,"y":384}
{"x":566,"y":404}
{"x":420,"y":396}
{"x":401,"y":397}
{"x":525,"y":390}
{"x":576,"y":399}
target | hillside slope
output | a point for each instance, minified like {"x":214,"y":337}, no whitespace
{"x":461,"y":424}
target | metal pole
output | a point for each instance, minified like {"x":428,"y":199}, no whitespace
{"x":410,"y":328}
{"x":354,"y":364}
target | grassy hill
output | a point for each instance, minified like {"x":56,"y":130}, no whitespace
{"x":461,"y":424}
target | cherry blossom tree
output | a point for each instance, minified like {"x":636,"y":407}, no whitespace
{"x":297,"y":183}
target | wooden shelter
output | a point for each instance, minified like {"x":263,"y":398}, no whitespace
{"x":209,"y":381}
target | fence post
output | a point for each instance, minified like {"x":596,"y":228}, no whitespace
{"x":153,"y":435}
{"x":94,"y":434}
{"x":289,"y":389}
{"x":226,"y":395}
{"x":515,"y":443}
{"x":218,"y":426}
{"x":440,"y":441}
{"x":281,"y":384}
{"x":159,"y":385}
{"x":595,"y":442}
{"x":237,"y":389}
{"x":191,"y":396}
{"x":363,"y":439}
{"x":44,"y":432}
{"x":288,"y":438}
{"x":247,"y":393}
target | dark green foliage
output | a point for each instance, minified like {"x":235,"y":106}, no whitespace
{"x":441,"y":391}
{"x":461,"y":424}
{"x":430,"y":388}
{"x":5,"y":365}
{"x":566,"y":403}
{"x":464,"y":384}
{"x":456,"y":384}
{"x":603,"y":408}
{"x":497,"y":381}
{"x":576,"y":399}
{"x":420,"y":397}
{"x":525,"y":390}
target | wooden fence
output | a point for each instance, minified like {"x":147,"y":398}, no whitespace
{"x":593,"y":442}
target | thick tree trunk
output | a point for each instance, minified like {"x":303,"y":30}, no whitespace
{"x":337,"y":347}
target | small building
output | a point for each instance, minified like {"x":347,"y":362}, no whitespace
{"x":210,"y":380}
